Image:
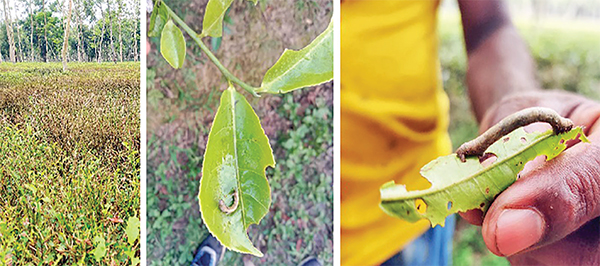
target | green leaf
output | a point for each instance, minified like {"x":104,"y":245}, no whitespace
{"x":131,"y":254}
{"x":237,"y":154}
{"x":458,"y":186}
{"x":172,"y":45}
{"x":100,"y":250}
{"x":215,"y":43}
{"x":135,"y":261}
{"x":158,"y":18}
{"x":310,"y":66}
{"x":212,"y":25}
{"x":132,"y":230}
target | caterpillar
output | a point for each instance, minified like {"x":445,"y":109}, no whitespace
{"x":521,"y":118}
{"x":229,"y":209}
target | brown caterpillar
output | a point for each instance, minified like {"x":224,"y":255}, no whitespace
{"x":509,"y":124}
{"x":229,"y":209}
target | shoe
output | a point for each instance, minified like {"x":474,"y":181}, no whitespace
{"x":209,"y":252}
{"x":310,"y":261}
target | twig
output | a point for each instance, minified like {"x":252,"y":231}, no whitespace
{"x":211,"y":56}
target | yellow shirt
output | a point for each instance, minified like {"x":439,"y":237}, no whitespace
{"x":394,"y":119}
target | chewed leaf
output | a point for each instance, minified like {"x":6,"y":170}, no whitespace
{"x":234,"y":191}
{"x":458,"y":186}
{"x":310,"y":66}
{"x":212,"y":25}
{"x":172,"y":45}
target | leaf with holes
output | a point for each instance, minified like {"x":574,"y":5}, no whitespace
{"x":212,"y":25}
{"x":310,"y":66}
{"x":458,"y":186}
{"x":234,"y":191}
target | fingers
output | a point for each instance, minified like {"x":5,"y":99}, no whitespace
{"x":581,"y":247}
{"x":474,"y":217}
{"x":546,"y":204}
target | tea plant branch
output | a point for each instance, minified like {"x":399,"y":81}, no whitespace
{"x":510,"y":123}
{"x":211,"y":56}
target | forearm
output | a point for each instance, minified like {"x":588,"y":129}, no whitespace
{"x":500,"y":66}
{"x":499,"y":62}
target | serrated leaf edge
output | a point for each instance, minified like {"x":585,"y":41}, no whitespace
{"x":259,"y":253}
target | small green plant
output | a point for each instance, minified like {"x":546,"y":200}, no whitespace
{"x":234,"y":191}
{"x":133,"y":234}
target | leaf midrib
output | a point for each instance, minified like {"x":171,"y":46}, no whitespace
{"x":237,"y":168}
{"x":431,"y":192}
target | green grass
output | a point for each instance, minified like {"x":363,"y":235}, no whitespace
{"x":69,"y":162}
{"x":567,"y":58}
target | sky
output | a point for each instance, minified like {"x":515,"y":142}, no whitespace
{"x":20,"y":8}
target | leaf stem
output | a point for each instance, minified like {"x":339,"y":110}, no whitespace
{"x":230,"y":77}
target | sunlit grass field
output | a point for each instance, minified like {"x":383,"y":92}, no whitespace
{"x":567,"y":56}
{"x":69,"y":163}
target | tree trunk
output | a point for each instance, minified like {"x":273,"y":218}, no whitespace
{"x":77,"y":11}
{"x":19,"y":42}
{"x":120,"y":32}
{"x":45,"y":32}
{"x":101,"y":37}
{"x":9,"y":33}
{"x":135,"y":42}
{"x":18,"y":46}
{"x":112,"y":42}
{"x":66,"y":39}
{"x":99,"y":49}
{"x":136,"y":6}
{"x":31,"y":36}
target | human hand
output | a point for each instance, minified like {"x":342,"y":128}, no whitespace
{"x":551,"y":214}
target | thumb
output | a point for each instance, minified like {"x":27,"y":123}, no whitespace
{"x":546,"y":204}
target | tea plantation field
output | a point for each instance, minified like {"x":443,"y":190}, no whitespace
{"x":69,"y":164}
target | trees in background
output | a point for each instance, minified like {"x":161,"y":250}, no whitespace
{"x":69,"y":30}
{"x":65,"y":48}
{"x":11,"y":40}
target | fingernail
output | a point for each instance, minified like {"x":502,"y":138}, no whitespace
{"x":517,"y":230}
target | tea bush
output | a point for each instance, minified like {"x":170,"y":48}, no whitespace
{"x":69,"y":162}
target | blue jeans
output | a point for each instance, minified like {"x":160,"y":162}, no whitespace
{"x":434,"y":247}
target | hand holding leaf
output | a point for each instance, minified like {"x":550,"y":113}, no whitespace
{"x":459,"y":185}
